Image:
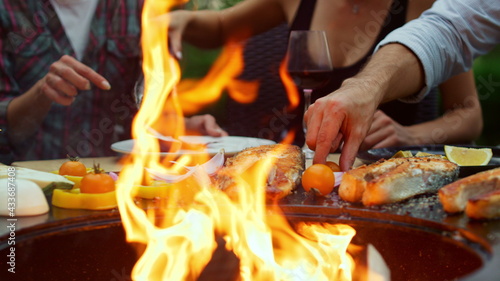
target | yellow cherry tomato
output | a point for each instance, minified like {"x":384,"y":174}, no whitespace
{"x":73,"y":167}
{"x":97,"y":182}
{"x":320,"y":178}
{"x":333,"y":166}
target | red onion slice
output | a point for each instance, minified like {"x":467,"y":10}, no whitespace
{"x":210,"y":167}
{"x":338,"y":177}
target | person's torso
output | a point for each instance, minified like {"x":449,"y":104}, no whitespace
{"x":34,"y":38}
{"x":353,"y":32}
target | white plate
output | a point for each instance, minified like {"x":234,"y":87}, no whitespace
{"x":230,"y":144}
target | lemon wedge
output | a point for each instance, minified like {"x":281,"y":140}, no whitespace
{"x":425,"y":154}
{"x":465,"y":156}
{"x":402,"y":153}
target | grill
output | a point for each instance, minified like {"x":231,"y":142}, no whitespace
{"x":416,"y":239}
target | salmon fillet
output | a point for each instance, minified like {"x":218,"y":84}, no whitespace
{"x":283,"y":178}
{"x":455,"y":196}
{"x":486,"y":206}
{"x":396,"y":179}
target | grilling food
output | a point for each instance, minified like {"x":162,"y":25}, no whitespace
{"x":319,"y":178}
{"x":465,"y":156}
{"x":97,"y":182}
{"x":73,"y":167}
{"x":486,"y":206}
{"x":476,"y":191}
{"x":283,"y":178}
{"x":396,"y":179}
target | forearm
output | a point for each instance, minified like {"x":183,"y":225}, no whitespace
{"x":26,"y":112}
{"x":462,"y":125}
{"x":213,"y":28}
{"x":203,"y":28}
{"x":394,"y":72}
{"x":455,"y":32}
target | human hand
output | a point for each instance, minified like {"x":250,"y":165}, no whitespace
{"x":66,"y":76}
{"x":177,"y":24}
{"x":205,"y":125}
{"x":385,"y":132}
{"x":343,"y":116}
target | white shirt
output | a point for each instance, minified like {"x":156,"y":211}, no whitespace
{"x":76,"y":16}
{"x":447,"y":37}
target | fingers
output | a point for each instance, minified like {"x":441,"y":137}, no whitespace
{"x":212,"y":128}
{"x":175,"y":30}
{"x":383,"y":132}
{"x":66,"y":77}
{"x":75,"y":71}
{"x":205,"y":125}
{"x":375,"y":138}
{"x":175,"y":44}
{"x":349,"y":152}
{"x":56,"y":96}
{"x":323,"y":128}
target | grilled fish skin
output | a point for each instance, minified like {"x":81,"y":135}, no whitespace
{"x":355,"y":181}
{"x":454,"y":196}
{"x":396,"y":179}
{"x":484,"y":207}
{"x":285,"y":174}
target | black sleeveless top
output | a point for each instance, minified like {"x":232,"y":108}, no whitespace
{"x":404,"y":113}
{"x":269,"y":116}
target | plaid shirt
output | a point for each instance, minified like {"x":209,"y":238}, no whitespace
{"x":32,"y":38}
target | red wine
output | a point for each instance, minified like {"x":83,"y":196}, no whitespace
{"x":310,"y":79}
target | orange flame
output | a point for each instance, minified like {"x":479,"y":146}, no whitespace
{"x":181,"y":228}
{"x":195,"y":94}
{"x":291,"y":88}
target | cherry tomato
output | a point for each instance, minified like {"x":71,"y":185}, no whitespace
{"x":333,"y":166}
{"x":320,"y":178}
{"x":97,"y":182}
{"x":73,"y":167}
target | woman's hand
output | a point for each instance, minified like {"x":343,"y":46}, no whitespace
{"x":177,"y":22}
{"x":385,"y":132}
{"x":205,"y":125}
{"x":66,"y":77}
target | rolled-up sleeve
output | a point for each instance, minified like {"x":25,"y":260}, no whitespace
{"x":8,"y":90}
{"x":447,"y":37}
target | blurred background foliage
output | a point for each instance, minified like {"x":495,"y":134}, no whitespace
{"x":487,"y":75}
{"x":197,"y":62}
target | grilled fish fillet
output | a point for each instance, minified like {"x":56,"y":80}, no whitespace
{"x":486,"y":206}
{"x":396,"y":179}
{"x":283,"y":178}
{"x":454,"y":197}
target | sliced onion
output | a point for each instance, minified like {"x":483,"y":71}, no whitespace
{"x":162,"y":137}
{"x":169,"y":178}
{"x":338,"y":177}
{"x":210,"y":167}
{"x":113,"y":175}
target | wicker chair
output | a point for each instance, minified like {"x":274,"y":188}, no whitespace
{"x":264,"y":118}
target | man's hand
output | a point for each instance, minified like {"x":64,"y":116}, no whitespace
{"x":343,"y":116}
{"x":66,"y":76}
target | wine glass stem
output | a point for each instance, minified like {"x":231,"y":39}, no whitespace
{"x":309,"y":154}
{"x":307,"y":103}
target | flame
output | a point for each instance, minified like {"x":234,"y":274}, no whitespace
{"x":223,"y":75}
{"x":291,"y":88}
{"x":181,"y":230}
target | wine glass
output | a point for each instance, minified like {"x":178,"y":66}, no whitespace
{"x":309,"y":64}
